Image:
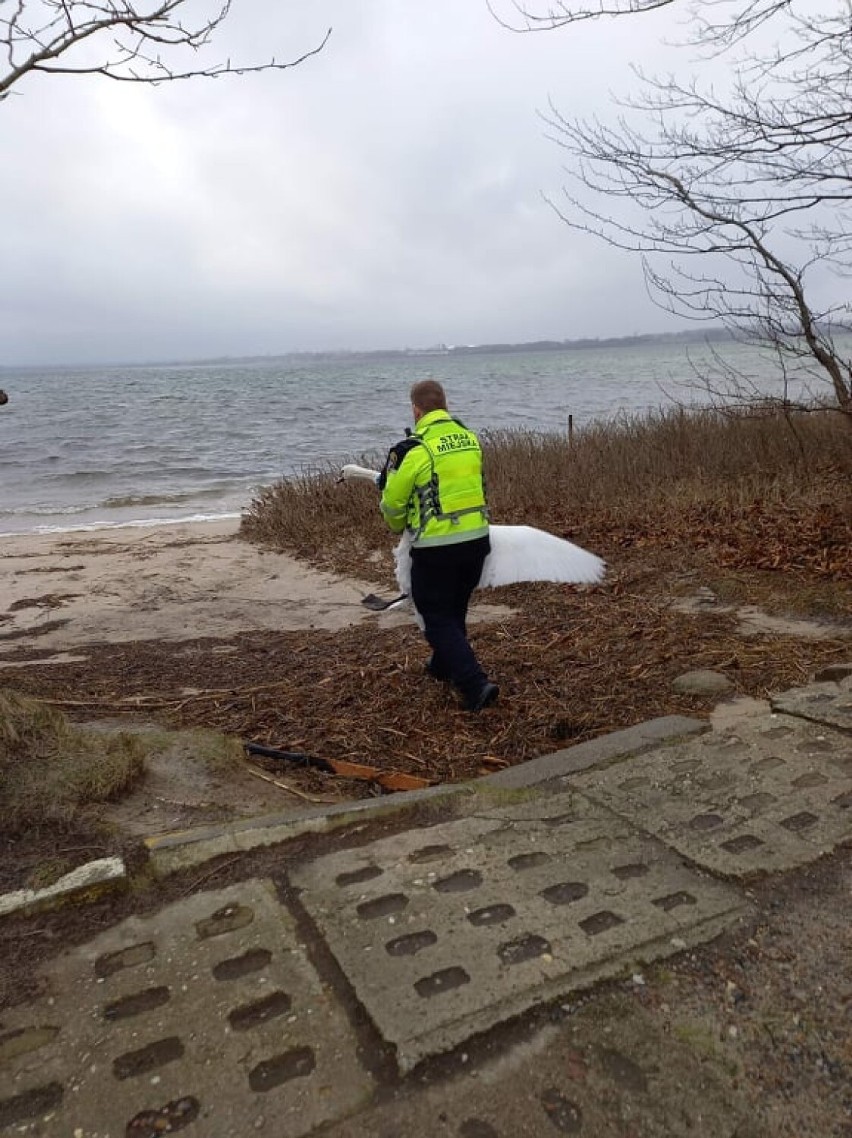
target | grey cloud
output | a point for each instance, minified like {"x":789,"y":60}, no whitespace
{"x":387,"y":193}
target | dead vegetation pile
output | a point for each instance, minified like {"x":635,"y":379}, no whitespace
{"x":572,"y":665}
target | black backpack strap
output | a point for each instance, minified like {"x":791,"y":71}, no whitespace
{"x":395,"y":456}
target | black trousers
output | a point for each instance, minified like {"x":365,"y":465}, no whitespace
{"x":442,"y":580}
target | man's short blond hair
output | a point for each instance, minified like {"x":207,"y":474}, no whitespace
{"x":429,"y":395}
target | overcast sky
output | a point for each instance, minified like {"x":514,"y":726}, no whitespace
{"x":387,"y":193}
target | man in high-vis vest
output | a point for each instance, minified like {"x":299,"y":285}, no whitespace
{"x":432,"y":486}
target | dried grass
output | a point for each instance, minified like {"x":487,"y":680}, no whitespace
{"x":572,"y":664}
{"x":762,"y":491}
{"x":50,"y":770}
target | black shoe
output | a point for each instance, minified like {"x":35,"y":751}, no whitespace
{"x":487,"y":695}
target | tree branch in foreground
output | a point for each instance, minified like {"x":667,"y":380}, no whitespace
{"x":137,"y":42}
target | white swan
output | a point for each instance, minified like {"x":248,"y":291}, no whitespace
{"x":518,"y":553}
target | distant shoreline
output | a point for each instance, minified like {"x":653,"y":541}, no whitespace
{"x":685,"y":337}
{"x":649,"y":339}
{"x":436,"y":351}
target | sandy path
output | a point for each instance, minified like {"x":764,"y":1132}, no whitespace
{"x":59,"y":592}
{"x":161,"y":583}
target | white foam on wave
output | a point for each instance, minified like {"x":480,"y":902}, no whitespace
{"x":136,"y":523}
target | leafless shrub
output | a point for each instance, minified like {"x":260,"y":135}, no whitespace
{"x":668,"y":472}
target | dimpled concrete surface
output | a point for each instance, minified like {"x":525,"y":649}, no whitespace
{"x":208,"y":1013}
{"x":444,"y":932}
{"x":770,"y":794}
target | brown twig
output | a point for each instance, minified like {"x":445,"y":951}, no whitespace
{"x":284,"y":786}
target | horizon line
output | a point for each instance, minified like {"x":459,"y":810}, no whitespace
{"x":435,"y":350}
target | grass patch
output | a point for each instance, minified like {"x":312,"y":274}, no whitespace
{"x":50,"y":770}
{"x":210,"y":749}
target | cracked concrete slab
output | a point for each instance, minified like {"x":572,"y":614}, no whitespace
{"x":446,"y":931}
{"x":207,"y":1011}
{"x":594,"y":752}
{"x":828,"y":703}
{"x":769,"y":793}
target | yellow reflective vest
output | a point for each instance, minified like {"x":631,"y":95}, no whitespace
{"x":433,"y":483}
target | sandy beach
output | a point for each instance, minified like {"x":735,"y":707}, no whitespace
{"x":75,"y":599}
{"x":63,"y":591}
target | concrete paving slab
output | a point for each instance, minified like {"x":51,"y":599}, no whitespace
{"x":607,"y":1071}
{"x":446,"y":931}
{"x":207,"y":1011}
{"x":183,"y":849}
{"x":595,"y":752}
{"x":768,"y":794}
{"x":173,"y":852}
{"x":828,"y":703}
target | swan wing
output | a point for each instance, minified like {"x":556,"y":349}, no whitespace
{"x":523,"y":553}
{"x":402,"y":562}
{"x":520,"y":553}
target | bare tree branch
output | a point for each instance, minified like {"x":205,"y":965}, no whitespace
{"x":710,"y":26}
{"x":525,"y":18}
{"x":135,"y":41}
{"x":739,"y":202}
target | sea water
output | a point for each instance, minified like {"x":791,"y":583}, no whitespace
{"x":93,"y":447}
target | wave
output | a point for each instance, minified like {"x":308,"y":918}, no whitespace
{"x":122,"y":501}
{"x":83,"y":476}
{"x":42,"y":511}
{"x":139,"y":523}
